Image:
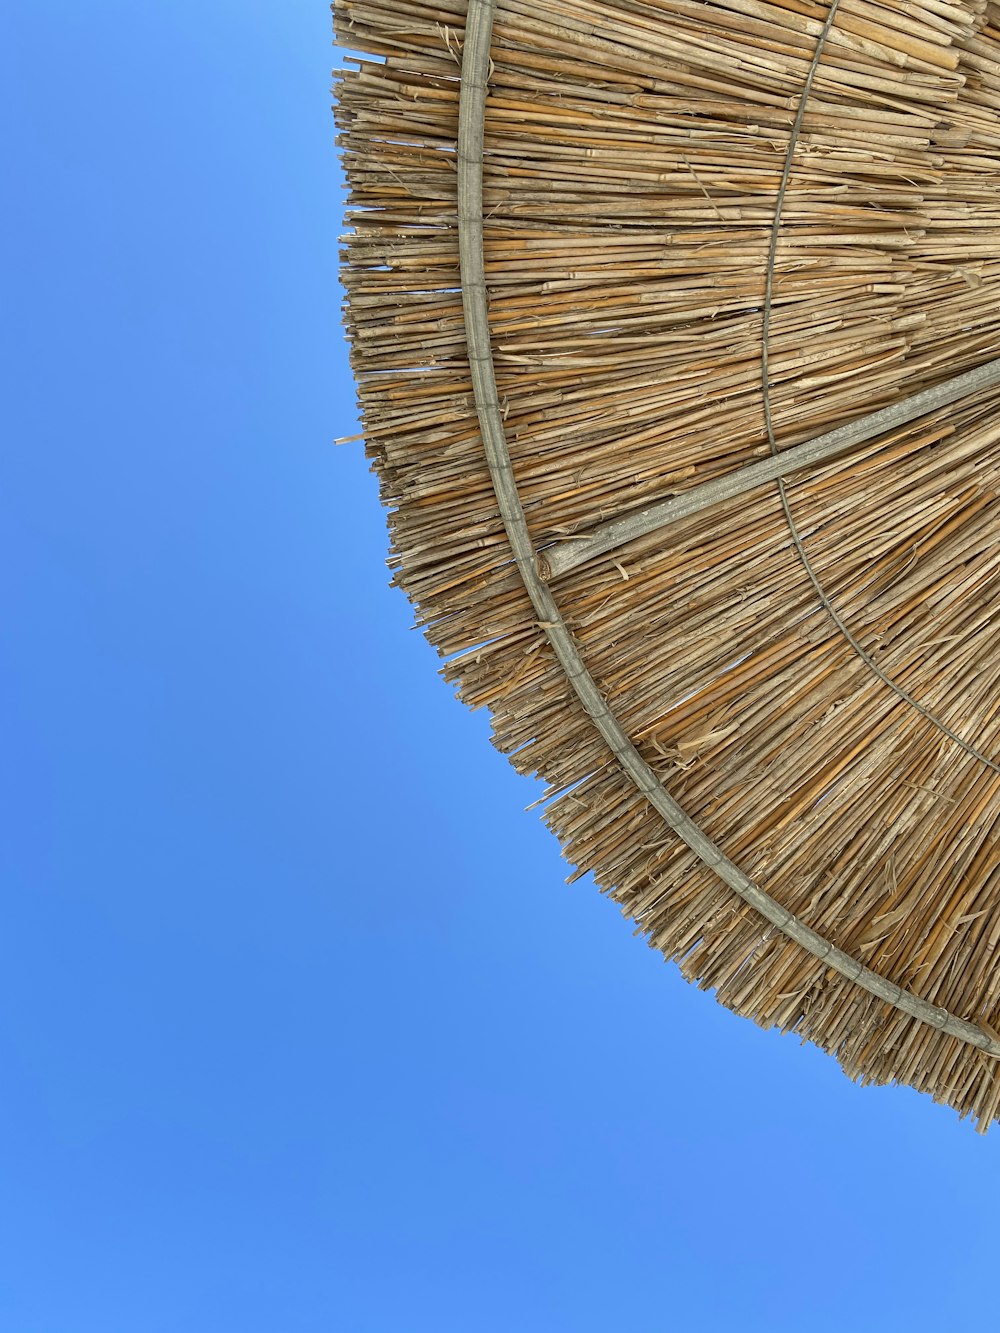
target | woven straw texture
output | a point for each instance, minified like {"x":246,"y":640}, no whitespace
{"x":709,"y":233}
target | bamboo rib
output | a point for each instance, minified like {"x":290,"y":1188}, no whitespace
{"x":807,"y":564}
{"x":471,"y":116}
{"x":554,"y":561}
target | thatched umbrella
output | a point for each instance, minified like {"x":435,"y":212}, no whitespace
{"x":676,"y":329}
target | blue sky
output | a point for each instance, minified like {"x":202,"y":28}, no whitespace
{"x":300,"y":1028}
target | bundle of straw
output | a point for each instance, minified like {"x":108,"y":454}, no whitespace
{"x":606,"y":258}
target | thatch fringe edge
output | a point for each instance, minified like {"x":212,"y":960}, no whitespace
{"x":471,"y":122}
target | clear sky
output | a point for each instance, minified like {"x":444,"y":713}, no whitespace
{"x":300,"y":1028}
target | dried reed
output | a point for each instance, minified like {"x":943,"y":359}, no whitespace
{"x":633,"y":152}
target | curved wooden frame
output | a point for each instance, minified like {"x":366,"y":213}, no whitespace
{"x":471,"y":125}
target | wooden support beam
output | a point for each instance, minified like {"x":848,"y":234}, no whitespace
{"x":555,"y":561}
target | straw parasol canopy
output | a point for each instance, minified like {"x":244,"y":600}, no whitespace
{"x":676,"y":326}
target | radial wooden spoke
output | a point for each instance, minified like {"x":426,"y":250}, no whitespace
{"x":554,"y":561}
